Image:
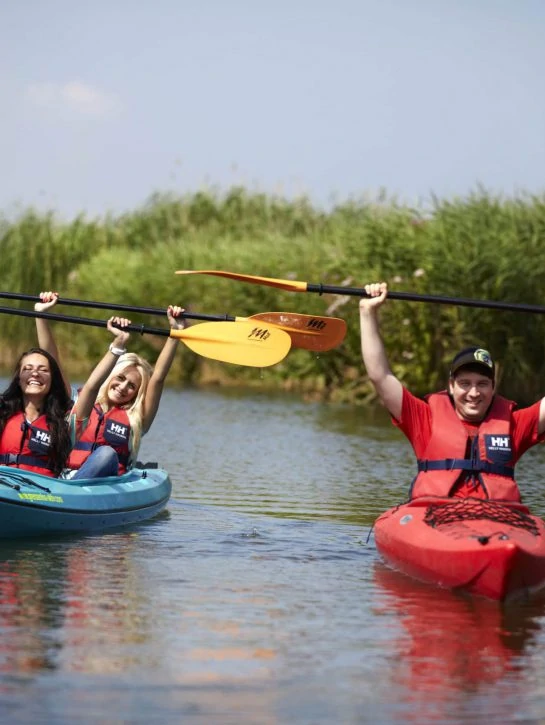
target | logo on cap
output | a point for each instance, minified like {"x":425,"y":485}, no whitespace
{"x":483,"y":356}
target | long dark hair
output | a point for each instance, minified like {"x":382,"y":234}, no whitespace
{"x":56,"y":405}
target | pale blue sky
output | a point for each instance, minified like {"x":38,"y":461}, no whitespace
{"x":106,"y":102}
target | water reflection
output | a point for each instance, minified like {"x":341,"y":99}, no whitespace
{"x":61,"y":602}
{"x":30,"y":604}
{"x":105,"y":597}
{"x":450,"y":649}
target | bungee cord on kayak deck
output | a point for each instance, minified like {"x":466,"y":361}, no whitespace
{"x":469,"y":509}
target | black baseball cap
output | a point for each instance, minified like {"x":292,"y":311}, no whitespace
{"x":474,"y":357}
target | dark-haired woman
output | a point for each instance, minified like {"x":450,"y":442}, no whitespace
{"x":34,"y":434}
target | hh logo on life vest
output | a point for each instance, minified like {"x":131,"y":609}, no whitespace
{"x":498,"y":448}
{"x":39,"y":441}
{"x":43,"y":437}
{"x":116,"y":432}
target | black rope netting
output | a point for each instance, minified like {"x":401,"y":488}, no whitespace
{"x":468,"y":509}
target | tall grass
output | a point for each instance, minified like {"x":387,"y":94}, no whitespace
{"x":480,"y":246}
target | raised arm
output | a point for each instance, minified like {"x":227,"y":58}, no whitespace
{"x":162,"y":366}
{"x":45,"y":337}
{"x":88,"y":394}
{"x":388,"y":387}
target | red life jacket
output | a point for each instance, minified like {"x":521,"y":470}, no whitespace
{"x":26,"y":445}
{"x":490,"y":461}
{"x":104,"y":429}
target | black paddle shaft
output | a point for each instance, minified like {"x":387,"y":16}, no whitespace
{"x":413,"y":297}
{"x":142,"y":329}
{"x":117,"y":307}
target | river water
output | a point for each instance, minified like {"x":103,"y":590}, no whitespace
{"x":258,"y":596}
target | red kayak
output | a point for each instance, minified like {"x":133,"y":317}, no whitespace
{"x":487,"y":548}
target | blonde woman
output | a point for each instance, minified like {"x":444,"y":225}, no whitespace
{"x":118,"y":403}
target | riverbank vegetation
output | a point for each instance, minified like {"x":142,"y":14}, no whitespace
{"x":481,"y":246}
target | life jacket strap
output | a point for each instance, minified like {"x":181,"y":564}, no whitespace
{"x":84,"y":446}
{"x":13,"y":459}
{"x":92,"y":446}
{"x":463,"y":464}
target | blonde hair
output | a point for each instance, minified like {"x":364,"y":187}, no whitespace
{"x":136,"y":411}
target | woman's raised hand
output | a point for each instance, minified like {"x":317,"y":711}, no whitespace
{"x":115,"y":325}
{"x":48,"y":300}
{"x":175,"y":319}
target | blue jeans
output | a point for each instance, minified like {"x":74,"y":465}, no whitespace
{"x":102,"y":462}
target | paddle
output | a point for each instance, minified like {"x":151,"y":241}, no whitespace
{"x":241,"y":343}
{"x":310,"y":332}
{"x":296,"y":286}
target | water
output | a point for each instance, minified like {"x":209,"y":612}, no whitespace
{"x":257,"y":597}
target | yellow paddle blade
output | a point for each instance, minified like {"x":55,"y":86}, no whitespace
{"x":310,"y":332}
{"x":286,"y":284}
{"x":241,"y":343}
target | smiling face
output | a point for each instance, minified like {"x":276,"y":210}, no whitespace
{"x":35,"y":375}
{"x":124,"y":387}
{"x":472,"y":393}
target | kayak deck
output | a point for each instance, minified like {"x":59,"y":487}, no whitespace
{"x":36,"y":505}
{"x":487,"y":548}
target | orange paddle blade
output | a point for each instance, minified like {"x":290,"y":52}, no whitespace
{"x":285,"y":284}
{"x":310,"y":332}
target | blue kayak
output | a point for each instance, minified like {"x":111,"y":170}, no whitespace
{"x":36,"y":505}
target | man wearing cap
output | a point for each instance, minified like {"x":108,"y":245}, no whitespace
{"x":466,"y":439}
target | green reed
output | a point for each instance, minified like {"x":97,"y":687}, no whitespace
{"x":480,"y":246}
